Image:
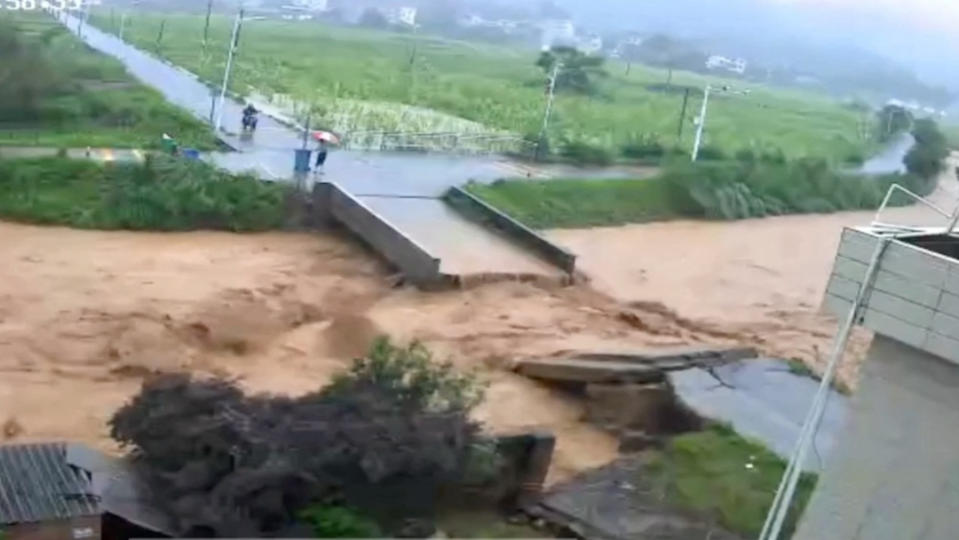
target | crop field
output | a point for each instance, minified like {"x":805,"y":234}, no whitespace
{"x":497,"y":87}
{"x":67,"y":95}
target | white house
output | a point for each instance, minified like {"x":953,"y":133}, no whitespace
{"x":558,"y":32}
{"x":734,"y":65}
{"x":590,"y":44}
{"x":403,"y":15}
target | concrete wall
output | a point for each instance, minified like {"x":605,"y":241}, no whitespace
{"x":895,"y":473}
{"x":332,"y":204}
{"x":518,"y":232}
{"x":914,"y":296}
{"x":79,"y":528}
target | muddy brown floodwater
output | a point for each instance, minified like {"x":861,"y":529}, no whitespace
{"x":86,"y":315}
{"x":760,"y":280}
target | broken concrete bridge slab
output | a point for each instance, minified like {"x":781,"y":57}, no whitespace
{"x":641,"y":367}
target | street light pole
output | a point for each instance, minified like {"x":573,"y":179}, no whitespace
{"x":123,"y":24}
{"x":702,"y":123}
{"x":551,"y":94}
{"x":206,"y":25}
{"x":229,"y":66}
{"x":84,"y":17}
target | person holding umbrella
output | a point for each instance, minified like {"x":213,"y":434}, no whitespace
{"x":323,"y":138}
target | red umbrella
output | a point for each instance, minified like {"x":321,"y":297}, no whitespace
{"x":327,"y":136}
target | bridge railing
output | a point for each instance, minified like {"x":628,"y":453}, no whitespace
{"x":445,"y":142}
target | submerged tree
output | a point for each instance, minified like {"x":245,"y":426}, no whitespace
{"x":227,"y":464}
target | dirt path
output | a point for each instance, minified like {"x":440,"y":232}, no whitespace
{"x":761,"y":280}
{"x":85,"y":315}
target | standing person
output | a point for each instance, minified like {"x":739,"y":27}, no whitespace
{"x":321,"y":150}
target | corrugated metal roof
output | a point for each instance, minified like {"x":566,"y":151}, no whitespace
{"x":122,"y":491}
{"x":37,"y":484}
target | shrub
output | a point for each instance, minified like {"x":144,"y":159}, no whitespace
{"x":746,"y":154}
{"x":164,"y":193}
{"x":383,"y":438}
{"x":647,"y":146}
{"x":854,"y":159}
{"x":711,"y":153}
{"x":339,"y":522}
{"x":925,"y":158}
{"x":586,"y":153}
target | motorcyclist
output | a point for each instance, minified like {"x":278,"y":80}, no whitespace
{"x":249,"y":116}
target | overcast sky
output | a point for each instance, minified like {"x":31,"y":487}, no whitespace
{"x":938,"y":14}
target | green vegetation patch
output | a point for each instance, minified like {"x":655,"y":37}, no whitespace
{"x":496,"y":86}
{"x":57,"y":92}
{"x":750,"y":186}
{"x":579,"y":203}
{"x":163,"y":194}
{"x":721,"y":474}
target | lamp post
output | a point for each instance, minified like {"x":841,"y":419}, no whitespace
{"x":550,"y":96}
{"x":701,"y":121}
{"x":234,"y":43}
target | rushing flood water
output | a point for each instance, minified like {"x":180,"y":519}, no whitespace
{"x":890,"y":160}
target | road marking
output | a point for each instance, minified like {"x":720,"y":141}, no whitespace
{"x":138,"y":154}
{"x":107,"y":154}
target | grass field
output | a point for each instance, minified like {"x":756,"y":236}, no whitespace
{"x":496,"y":86}
{"x":85,"y":98}
{"x":164,"y":193}
{"x":722,"y":190}
{"x":723,"y":475}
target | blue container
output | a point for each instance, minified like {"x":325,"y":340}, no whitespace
{"x":301,"y":160}
{"x":191,"y":153}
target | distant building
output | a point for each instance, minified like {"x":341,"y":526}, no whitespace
{"x":733,"y":65}
{"x":401,"y":16}
{"x":316,"y":6}
{"x":558,"y":32}
{"x":476,"y":21}
{"x":590,"y":44}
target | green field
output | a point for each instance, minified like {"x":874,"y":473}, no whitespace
{"x":162,"y":194}
{"x":498,"y":87}
{"x":63,"y":94}
{"x":710,"y":472}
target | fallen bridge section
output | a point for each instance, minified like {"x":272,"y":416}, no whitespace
{"x":640,"y":367}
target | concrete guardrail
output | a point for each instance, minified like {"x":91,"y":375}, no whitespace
{"x":481,"y":210}
{"x":333,"y":204}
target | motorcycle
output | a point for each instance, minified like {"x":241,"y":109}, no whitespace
{"x":249,"y":122}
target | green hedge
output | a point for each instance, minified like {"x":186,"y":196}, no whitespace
{"x":163,"y":193}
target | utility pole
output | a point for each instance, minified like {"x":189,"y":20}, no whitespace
{"x":682,"y":116}
{"x":84,"y":18}
{"x":550,"y":95}
{"x":160,"y":34}
{"x":206,"y":25}
{"x":702,"y":123}
{"x":123,"y":24}
{"x":229,"y":66}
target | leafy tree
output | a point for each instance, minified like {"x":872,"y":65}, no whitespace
{"x":384,"y":437}
{"x":925,"y":158}
{"x":892,"y":119}
{"x":577,"y":71}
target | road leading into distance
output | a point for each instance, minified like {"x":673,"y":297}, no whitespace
{"x":401,"y":188}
